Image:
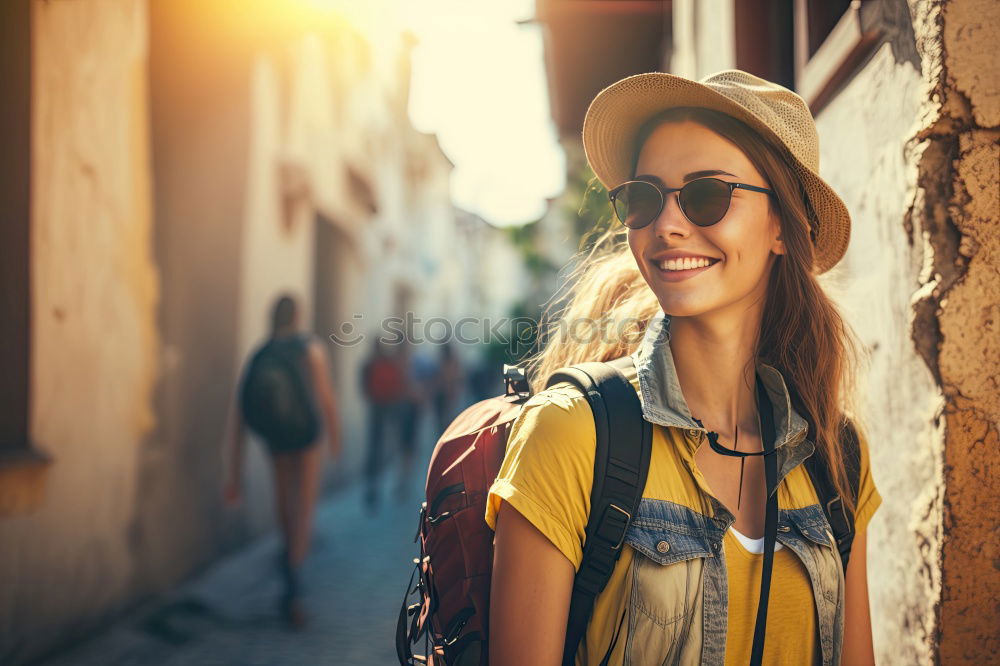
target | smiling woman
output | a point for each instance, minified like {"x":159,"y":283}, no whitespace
{"x":725,"y":225}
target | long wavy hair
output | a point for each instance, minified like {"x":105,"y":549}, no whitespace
{"x":802,"y":332}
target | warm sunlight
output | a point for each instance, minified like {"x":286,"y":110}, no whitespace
{"x":479,"y":84}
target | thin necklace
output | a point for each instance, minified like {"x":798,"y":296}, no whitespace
{"x":713,"y":438}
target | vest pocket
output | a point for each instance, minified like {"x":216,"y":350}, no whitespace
{"x":664,"y":592}
{"x":665,"y":542}
{"x":812,"y":527}
{"x":666,"y":575}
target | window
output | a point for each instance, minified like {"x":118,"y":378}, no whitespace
{"x":810,"y":46}
{"x":764,"y":39}
{"x":22,"y":468}
{"x":15,"y":169}
{"x":831,"y":39}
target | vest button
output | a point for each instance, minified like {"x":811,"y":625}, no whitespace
{"x":784,"y":528}
{"x":716,"y":546}
{"x":663,"y":546}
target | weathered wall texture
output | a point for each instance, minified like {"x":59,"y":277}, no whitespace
{"x":962,"y":311}
{"x":900,"y":401}
{"x":921,"y":276}
{"x":94,"y":298}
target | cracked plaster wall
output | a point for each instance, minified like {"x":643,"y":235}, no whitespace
{"x":966,"y":278}
{"x":920,"y":284}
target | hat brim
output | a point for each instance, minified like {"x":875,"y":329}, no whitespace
{"x":616,"y":114}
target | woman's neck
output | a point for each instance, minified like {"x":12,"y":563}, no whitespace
{"x":714,"y":362}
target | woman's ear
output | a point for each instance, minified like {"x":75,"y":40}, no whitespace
{"x":778,"y":246}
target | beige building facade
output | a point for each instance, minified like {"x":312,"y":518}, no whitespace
{"x":188,"y":164}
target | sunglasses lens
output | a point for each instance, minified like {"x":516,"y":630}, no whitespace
{"x":705,"y":201}
{"x":637,"y":204}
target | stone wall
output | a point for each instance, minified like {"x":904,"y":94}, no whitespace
{"x":920,"y":285}
{"x":957,"y":315}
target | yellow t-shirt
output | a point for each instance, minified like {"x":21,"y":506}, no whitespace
{"x":784,"y":611}
{"x":547,"y":475}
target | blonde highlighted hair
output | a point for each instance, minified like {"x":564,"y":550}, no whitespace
{"x":802,"y":333}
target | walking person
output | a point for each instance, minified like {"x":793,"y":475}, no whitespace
{"x":419,"y":372}
{"x":285,"y":396}
{"x":383,"y":382}
{"x":449,"y":385}
{"x":723,"y":225}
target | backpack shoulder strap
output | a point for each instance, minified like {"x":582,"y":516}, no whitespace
{"x":841,"y":522}
{"x":621,"y":465}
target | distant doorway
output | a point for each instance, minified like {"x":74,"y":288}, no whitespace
{"x":337,"y":282}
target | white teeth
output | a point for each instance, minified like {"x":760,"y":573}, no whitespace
{"x":683,"y":264}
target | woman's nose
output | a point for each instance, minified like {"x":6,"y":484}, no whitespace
{"x":671,"y":220}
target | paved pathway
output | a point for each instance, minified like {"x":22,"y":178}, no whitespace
{"x":355,"y":579}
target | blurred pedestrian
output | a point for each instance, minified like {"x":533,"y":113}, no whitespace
{"x":286,"y":398}
{"x":383,"y":381}
{"x":420,"y":375}
{"x":486,"y":377}
{"x":449,"y":386}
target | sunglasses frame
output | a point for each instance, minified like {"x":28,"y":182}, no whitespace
{"x":666,"y":191}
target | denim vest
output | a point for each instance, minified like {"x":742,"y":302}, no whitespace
{"x":679,"y":599}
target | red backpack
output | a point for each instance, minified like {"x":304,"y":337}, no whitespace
{"x":451,"y":579}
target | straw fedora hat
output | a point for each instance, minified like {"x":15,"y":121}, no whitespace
{"x":778,"y":114}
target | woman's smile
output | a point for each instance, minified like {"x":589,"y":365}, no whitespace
{"x":675,"y":270}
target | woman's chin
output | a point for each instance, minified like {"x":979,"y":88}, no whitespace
{"x":683,"y":307}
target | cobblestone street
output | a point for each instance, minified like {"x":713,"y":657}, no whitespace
{"x":355,"y":579}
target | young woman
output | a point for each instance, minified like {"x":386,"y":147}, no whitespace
{"x":708,"y":283}
{"x":296,"y":468}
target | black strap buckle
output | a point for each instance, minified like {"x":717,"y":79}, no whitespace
{"x":840,"y":524}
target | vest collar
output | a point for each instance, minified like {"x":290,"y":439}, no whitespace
{"x":663,"y":402}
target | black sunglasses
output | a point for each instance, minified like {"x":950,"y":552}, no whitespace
{"x":704,"y":201}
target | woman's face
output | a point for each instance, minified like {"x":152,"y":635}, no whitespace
{"x":741,"y":245}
